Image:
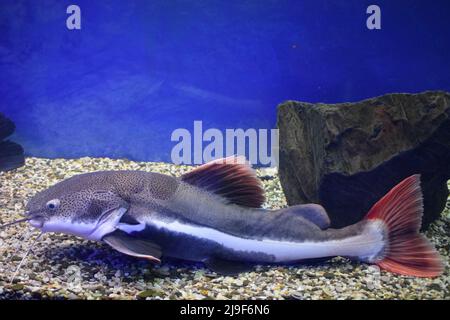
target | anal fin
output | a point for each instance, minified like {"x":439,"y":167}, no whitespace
{"x":133,"y":246}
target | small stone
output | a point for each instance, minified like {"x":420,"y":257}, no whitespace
{"x":434,"y":286}
{"x":148,"y":294}
{"x":163,"y":271}
{"x":339,"y":288}
{"x":17,"y":287}
{"x":297,"y":296}
{"x":72,"y":296}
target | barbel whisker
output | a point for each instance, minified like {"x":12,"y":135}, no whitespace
{"x":25,"y":256}
{"x":23,"y":239}
{"x":15,"y":222}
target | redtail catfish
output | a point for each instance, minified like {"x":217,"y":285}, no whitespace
{"x":213,"y":215}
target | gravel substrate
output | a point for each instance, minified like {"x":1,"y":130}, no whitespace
{"x":65,"y":267}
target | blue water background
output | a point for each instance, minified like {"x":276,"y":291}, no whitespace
{"x":137,"y":70}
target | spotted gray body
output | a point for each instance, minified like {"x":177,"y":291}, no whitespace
{"x":213,"y":215}
{"x":152,"y":215}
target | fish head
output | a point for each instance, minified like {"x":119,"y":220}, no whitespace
{"x":87,"y":212}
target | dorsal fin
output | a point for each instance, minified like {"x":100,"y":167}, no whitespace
{"x":232,"y":178}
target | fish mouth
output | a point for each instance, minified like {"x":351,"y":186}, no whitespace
{"x":34,"y":218}
{"x":37,"y":222}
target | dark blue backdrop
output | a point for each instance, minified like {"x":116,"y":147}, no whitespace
{"x":139,"y":69}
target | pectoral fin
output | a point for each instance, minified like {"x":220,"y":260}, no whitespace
{"x":227,"y":267}
{"x":132,"y":246}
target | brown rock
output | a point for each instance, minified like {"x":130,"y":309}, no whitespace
{"x":347,"y":156}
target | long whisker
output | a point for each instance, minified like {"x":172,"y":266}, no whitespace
{"x":23,"y":239}
{"x":14,"y":222}
{"x":25,"y":257}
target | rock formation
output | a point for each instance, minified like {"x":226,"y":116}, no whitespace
{"x":347,"y":156}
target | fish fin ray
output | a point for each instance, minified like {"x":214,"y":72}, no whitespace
{"x":406,"y":251}
{"x":231,"y":178}
{"x":132,"y":246}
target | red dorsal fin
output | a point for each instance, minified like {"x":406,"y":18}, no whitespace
{"x":232,"y":178}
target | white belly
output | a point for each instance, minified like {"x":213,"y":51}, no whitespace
{"x":362,"y":246}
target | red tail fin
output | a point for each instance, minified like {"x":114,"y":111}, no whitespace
{"x":407,"y":251}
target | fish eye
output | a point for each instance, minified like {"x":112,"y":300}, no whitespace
{"x":53,"y":204}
